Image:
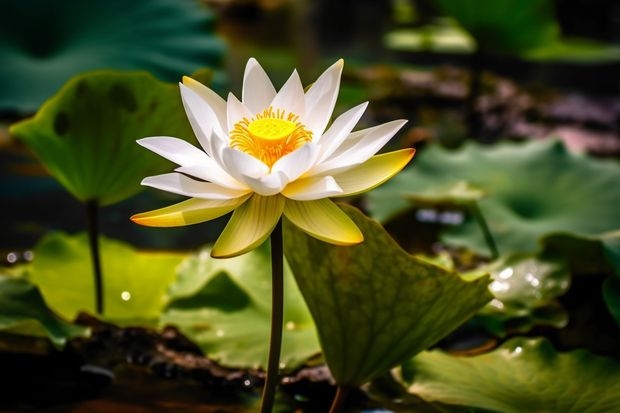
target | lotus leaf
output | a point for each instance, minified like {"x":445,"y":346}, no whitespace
{"x":43,"y":43}
{"x":224,"y":305}
{"x":134,"y":286}
{"x":532,"y":190}
{"x":523,"y":375}
{"x":374,"y":305}
{"x":23,"y":311}
{"x":85,"y":135}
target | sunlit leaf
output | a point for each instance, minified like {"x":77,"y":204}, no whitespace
{"x":442,"y":36}
{"x":43,"y":43}
{"x":531,"y":190}
{"x":86,"y":134}
{"x":520,"y":376}
{"x":23,"y":311}
{"x":375,"y":305}
{"x":224,"y":305}
{"x":134,"y":282}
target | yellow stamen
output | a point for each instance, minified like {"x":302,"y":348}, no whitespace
{"x":269,"y":135}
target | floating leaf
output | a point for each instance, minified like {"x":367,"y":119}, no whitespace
{"x":86,"y":134}
{"x":532,"y":190}
{"x":23,"y":311}
{"x":134,"y":282}
{"x":505,"y":26}
{"x":43,"y":43}
{"x":224,"y":305}
{"x":520,"y":376}
{"x":375,"y":305}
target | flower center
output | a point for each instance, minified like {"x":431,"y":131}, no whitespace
{"x":269,"y":135}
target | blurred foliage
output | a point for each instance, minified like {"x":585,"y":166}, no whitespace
{"x":23,"y":311}
{"x":86,"y":134}
{"x":373,"y":304}
{"x":224,"y":306}
{"x":43,"y":43}
{"x":135,"y":284}
{"x":532,"y":189}
{"x":522,"y":375}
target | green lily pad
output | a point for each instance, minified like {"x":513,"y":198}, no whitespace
{"x":520,"y":376}
{"x":532,"y":190}
{"x":224,"y":306}
{"x":134,"y":282}
{"x":374,"y":305}
{"x":43,"y":44}
{"x":505,"y":26}
{"x":86,"y":134}
{"x":23,"y":311}
{"x":525,"y":289}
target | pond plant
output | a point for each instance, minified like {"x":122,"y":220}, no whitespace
{"x":517,"y":224}
{"x":270,"y":155}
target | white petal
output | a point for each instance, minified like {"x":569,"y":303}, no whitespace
{"x":321,"y":99}
{"x":213,"y":173}
{"x":358,"y":148}
{"x":291,"y":96}
{"x":201,"y":116}
{"x":258,"y":91}
{"x":315,"y":187}
{"x":236,"y":111}
{"x":176,"y":150}
{"x":339,"y":131}
{"x":267,"y":185}
{"x":294,"y":164}
{"x":240,"y":165}
{"x":180,"y":184}
{"x":214,"y":100}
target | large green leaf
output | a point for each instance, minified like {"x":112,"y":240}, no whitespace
{"x":85,"y":135}
{"x":505,"y":26}
{"x":44,"y":43}
{"x":532,"y":190}
{"x":224,"y":305}
{"x":520,"y":376}
{"x":23,"y":311}
{"x":134,"y":282}
{"x":375,"y":305}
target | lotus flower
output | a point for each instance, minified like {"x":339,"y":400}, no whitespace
{"x":271,"y":154}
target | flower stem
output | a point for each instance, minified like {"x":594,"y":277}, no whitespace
{"x":277,"y":318}
{"x":339,"y":398}
{"x":92,"y":214}
{"x":488,"y":237}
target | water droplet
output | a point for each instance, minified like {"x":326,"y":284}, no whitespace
{"x":247,"y":383}
{"x":518,"y":350}
{"x":290,"y":326}
{"x":125,"y":296}
{"x":11,"y":258}
{"x":219,"y":333}
{"x":282,"y":365}
{"x":497,"y":304}
{"x":499,"y":286}
{"x":28,"y":255}
{"x":506,"y":273}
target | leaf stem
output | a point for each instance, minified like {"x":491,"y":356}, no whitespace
{"x":339,"y":398}
{"x":488,"y":237}
{"x":92,"y":215}
{"x":277,"y":318}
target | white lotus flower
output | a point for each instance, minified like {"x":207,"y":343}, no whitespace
{"x":272,"y":153}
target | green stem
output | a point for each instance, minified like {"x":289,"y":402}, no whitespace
{"x":277,"y":318}
{"x":92,"y":214}
{"x":339,"y":398}
{"x":488,"y":237}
